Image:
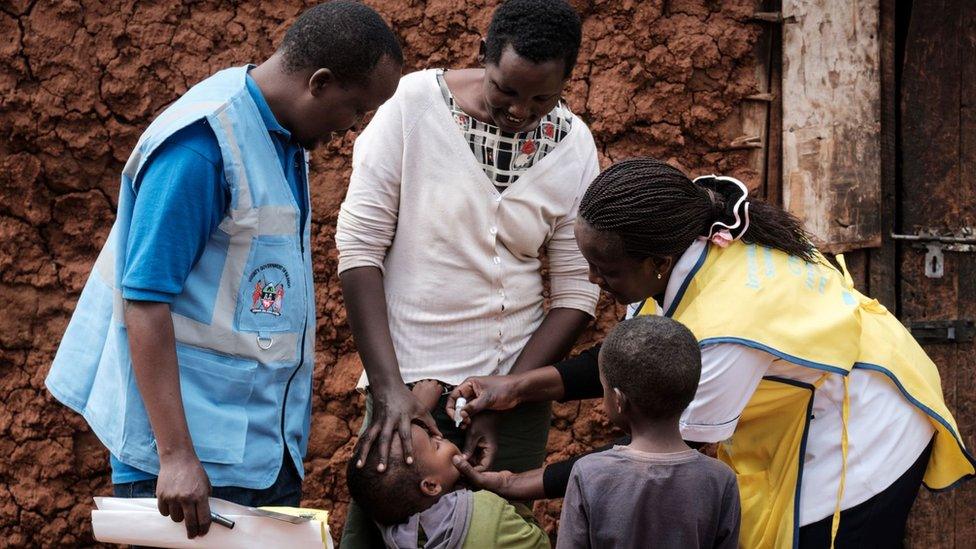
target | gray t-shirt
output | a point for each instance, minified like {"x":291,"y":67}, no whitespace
{"x":627,"y":498}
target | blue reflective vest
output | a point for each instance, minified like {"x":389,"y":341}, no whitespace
{"x":244,"y":324}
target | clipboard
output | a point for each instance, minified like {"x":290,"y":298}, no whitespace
{"x":136,"y":521}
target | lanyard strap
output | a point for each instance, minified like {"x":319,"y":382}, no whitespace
{"x":845,"y":414}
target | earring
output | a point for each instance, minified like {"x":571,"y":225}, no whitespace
{"x":659,"y":276}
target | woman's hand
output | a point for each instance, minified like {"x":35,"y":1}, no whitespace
{"x":481,"y":444}
{"x":506,"y":392}
{"x":509,"y":485}
{"x":484,"y":393}
{"x":394,"y":410}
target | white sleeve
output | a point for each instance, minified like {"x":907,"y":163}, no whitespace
{"x":569,"y":278}
{"x":368,"y":216}
{"x":730,"y":375}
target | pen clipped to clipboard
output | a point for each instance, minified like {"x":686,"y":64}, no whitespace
{"x":136,"y":521}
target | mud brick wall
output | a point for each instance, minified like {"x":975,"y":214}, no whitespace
{"x":80,"y":80}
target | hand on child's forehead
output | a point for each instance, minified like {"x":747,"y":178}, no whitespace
{"x":416,"y":428}
{"x":423,"y":427}
{"x":420,"y":433}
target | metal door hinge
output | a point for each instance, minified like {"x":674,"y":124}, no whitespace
{"x":943,"y":331}
{"x":934,"y":243}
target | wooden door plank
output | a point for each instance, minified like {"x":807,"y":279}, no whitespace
{"x":754,"y":114}
{"x":831,"y":120}
{"x":930,"y":171}
{"x":857,"y":265}
{"x":774,"y":130}
{"x":963,"y":266}
{"x":882,"y":270}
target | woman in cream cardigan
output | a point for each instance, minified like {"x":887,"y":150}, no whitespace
{"x":460,"y":184}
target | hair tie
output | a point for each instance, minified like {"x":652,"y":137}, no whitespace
{"x":734,"y":221}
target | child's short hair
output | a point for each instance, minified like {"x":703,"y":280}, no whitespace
{"x":390,"y":497}
{"x":655,"y":361}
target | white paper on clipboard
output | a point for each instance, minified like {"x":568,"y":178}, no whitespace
{"x":136,"y":521}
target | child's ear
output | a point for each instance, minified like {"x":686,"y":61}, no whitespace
{"x":430,"y":487}
{"x":621,"y":400}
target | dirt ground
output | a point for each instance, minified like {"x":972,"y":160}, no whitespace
{"x":80,"y":80}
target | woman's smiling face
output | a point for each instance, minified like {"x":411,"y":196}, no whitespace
{"x":519,"y":92}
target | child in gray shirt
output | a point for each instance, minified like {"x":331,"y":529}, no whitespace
{"x":656,"y":491}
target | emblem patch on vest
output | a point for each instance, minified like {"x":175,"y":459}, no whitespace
{"x":268,"y":296}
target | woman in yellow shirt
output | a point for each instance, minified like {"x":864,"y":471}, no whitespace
{"x":823,"y":404}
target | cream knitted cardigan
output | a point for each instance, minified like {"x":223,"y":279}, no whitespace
{"x":461,"y":261}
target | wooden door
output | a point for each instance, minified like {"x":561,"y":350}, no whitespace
{"x":937,"y":190}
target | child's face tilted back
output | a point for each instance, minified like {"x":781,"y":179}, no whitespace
{"x":403,"y":490}
{"x":432,"y":456}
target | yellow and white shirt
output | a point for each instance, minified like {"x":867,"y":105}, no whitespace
{"x":886,"y":434}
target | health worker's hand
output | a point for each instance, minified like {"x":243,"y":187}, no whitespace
{"x":509,"y":485}
{"x":481,"y":443}
{"x":484,"y":393}
{"x":183,"y":493}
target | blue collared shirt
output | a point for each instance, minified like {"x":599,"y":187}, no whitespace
{"x":181,"y":198}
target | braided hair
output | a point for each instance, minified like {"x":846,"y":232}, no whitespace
{"x":658,"y":212}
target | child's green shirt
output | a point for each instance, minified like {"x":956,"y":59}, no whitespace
{"x":497,"y":523}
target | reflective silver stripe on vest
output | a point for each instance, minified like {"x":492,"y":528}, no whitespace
{"x":135,"y":159}
{"x":105,"y":264}
{"x":242,"y":223}
{"x":221,"y":337}
{"x":277,"y":220}
{"x":266,"y":220}
{"x":243,"y":185}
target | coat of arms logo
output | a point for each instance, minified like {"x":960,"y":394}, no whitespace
{"x":268,"y":293}
{"x":268,"y":298}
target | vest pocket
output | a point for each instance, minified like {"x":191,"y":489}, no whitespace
{"x":216,"y":390}
{"x":272,"y":294}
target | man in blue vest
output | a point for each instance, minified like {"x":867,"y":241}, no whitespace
{"x":190,"y":350}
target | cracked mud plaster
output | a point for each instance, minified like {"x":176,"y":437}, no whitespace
{"x":80,"y":80}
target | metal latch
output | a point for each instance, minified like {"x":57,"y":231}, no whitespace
{"x":934,"y":243}
{"x":943,"y":331}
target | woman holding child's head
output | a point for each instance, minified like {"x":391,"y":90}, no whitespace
{"x":458,"y":184}
{"x":804,"y":380}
